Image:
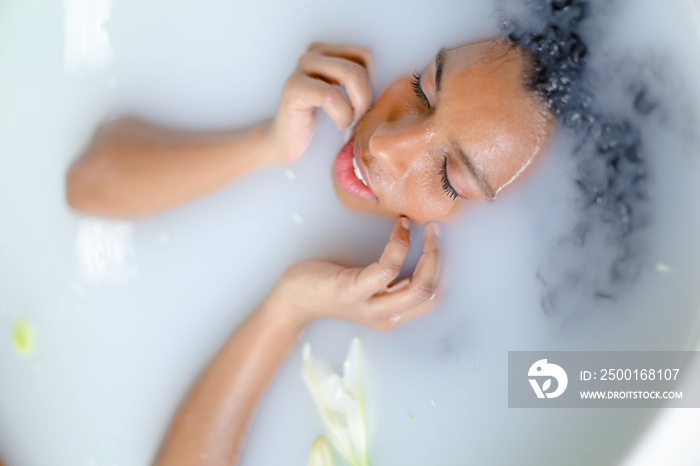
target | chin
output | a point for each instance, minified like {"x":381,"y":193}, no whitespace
{"x":355,"y":204}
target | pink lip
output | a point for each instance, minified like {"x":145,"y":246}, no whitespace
{"x":345,"y":174}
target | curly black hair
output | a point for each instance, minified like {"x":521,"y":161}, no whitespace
{"x":612,"y":174}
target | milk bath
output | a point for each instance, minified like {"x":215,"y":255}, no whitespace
{"x":125,"y":314}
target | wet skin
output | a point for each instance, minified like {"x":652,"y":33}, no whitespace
{"x":464,"y":130}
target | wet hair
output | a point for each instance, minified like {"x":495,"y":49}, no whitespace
{"x":611,"y":174}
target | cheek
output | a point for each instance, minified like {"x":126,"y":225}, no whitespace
{"x":421,"y":197}
{"x":431,"y":207}
{"x":430,"y":211}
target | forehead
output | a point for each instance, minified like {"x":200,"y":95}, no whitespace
{"x":470,"y":54}
{"x":485,"y":108}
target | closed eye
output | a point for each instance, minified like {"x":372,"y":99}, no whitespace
{"x":446,"y":185}
{"x":415,"y":84}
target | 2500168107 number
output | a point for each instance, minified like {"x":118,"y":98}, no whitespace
{"x":639,"y":374}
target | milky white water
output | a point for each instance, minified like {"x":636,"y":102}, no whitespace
{"x":126,"y":314}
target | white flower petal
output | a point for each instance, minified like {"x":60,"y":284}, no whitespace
{"x":321,"y":454}
{"x":340,"y":402}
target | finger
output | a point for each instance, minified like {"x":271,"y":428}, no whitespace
{"x":428,"y":266}
{"x":308,"y":93}
{"x":359,"y":55}
{"x":399,"y":318}
{"x":416,"y":311}
{"x":422,"y":283}
{"x":384,"y":321}
{"x":352,"y":76}
{"x":377,"y":276}
{"x":394,"y":287}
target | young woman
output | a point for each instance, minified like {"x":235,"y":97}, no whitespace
{"x":463,"y":129}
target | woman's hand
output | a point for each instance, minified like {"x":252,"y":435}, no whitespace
{"x":214,"y":417}
{"x":315,"y":84}
{"x":316,"y":289}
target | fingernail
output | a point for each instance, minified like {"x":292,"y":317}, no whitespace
{"x":405,"y":222}
{"x":436,"y":229}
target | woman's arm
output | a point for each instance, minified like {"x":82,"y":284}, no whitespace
{"x":133,"y":168}
{"x":210,"y":426}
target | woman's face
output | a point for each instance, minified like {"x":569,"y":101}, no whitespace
{"x":463,"y":129}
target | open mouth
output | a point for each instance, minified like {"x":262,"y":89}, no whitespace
{"x":349,"y":174}
{"x":356,"y":170}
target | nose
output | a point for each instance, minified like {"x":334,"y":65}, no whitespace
{"x":398,"y":144}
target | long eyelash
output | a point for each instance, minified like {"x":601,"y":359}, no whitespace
{"x":415,"y":84}
{"x":446,"y":183}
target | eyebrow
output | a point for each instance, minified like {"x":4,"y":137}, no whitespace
{"x":476,"y":173}
{"x":439,"y":65}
